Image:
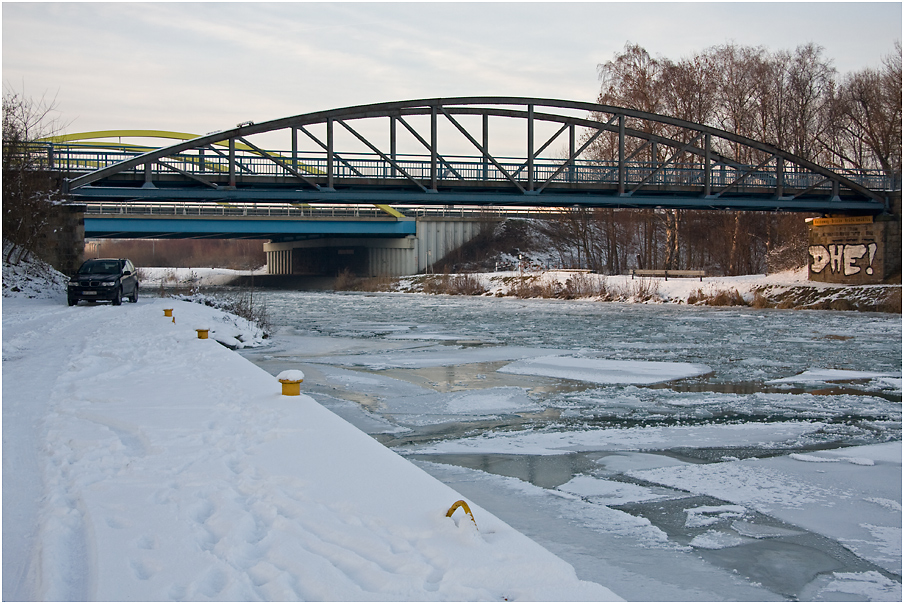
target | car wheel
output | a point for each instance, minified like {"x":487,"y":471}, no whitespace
{"x":134,"y":297}
{"x":73,"y":301}
{"x":117,"y":299}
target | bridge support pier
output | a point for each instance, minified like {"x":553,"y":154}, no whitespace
{"x":857,"y":250}
{"x":373,"y":256}
{"x":62,"y":241}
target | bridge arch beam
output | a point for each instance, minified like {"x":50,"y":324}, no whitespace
{"x":656,"y":161}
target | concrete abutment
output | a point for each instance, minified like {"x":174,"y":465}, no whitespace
{"x":856,"y":250}
{"x":374,"y":256}
{"x":62,"y":241}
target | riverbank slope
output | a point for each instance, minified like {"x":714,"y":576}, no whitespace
{"x":785,"y":290}
{"x":141,"y":462}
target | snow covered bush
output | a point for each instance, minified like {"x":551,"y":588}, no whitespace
{"x":30,"y":277}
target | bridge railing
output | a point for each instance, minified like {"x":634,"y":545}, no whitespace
{"x":77,"y":159}
{"x":287,"y":210}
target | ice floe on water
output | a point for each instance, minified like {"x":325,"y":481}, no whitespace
{"x":831,"y":499}
{"x":433,"y":407}
{"x":716,"y":540}
{"x":706,"y":515}
{"x":608,"y":492}
{"x":433,"y":356}
{"x":553,"y":442}
{"x":603,"y":371}
{"x":835,"y":375}
{"x":870,"y":586}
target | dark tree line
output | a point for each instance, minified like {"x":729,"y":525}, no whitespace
{"x":238,"y":254}
{"x":793,"y":100}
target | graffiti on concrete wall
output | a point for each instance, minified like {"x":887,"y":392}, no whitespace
{"x":843,"y":259}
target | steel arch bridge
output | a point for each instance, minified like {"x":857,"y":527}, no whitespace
{"x":437,"y":152}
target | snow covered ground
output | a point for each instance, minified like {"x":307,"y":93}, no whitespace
{"x":180,"y":277}
{"x":143,"y":463}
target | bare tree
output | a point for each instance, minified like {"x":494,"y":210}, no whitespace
{"x":689,"y":89}
{"x":632,"y":79}
{"x":867,"y":117}
{"x":740,"y":68}
{"x":811,"y":79}
{"x":29,"y":193}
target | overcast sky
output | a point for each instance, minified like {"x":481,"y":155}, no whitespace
{"x":206,"y":66}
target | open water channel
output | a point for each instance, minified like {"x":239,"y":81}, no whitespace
{"x":558,"y":448}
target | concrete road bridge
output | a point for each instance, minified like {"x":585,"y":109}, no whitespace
{"x":488,"y":154}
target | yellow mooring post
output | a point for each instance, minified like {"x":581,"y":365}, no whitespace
{"x":202,"y":333}
{"x":461,"y":504}
{"x":167,"y":312}
{"x":291,"y":380}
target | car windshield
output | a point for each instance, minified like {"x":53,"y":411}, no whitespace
{"x":100,"y":267}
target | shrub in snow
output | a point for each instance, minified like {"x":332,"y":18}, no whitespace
{"x":229,"y":342}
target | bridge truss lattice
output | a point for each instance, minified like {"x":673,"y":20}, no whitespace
{"x":445,"y":152}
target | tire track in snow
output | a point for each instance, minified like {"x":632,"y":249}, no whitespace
{"x":86,"y":447}
{"x":34,"y":336}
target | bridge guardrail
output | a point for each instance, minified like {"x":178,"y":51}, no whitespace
{"x":73,"y":159}
{"x":285,"y":210}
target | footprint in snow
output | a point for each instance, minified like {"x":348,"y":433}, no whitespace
{"x":144,"y":569}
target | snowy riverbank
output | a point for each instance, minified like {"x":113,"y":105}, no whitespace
{"x":789,"y":289}
{"x":142,"y":463}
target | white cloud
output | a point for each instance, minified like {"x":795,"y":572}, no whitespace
{"x":206,"y":66}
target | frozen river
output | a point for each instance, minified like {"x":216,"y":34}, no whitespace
{"x":667,"y":452}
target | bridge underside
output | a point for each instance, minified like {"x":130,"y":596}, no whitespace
{"x":311,"y":246}
{"x":167,"y":227}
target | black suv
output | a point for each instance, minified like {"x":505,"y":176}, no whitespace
{"x":104,"y":279}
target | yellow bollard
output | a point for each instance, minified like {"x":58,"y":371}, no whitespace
{"x":167,"y":312}
{"x":291,"y":387}
{"x":202,"y":333}
{"x":461,"y":504}
{"x":291,"y":380}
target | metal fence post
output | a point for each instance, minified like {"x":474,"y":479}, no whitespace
{"x":433,"y":147}
{"x":621,"y":154}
